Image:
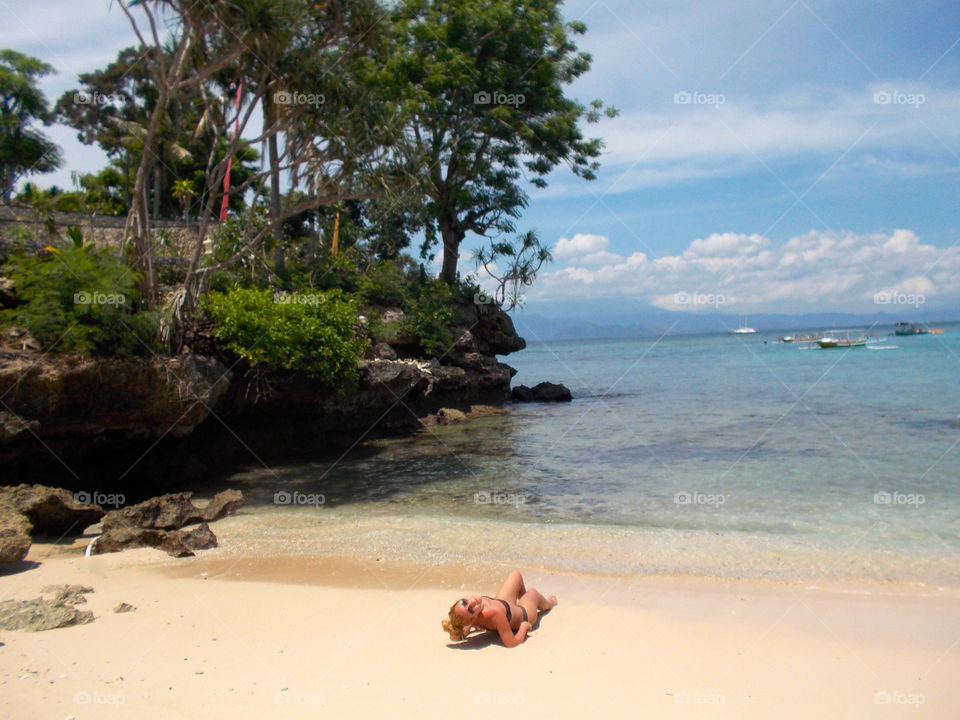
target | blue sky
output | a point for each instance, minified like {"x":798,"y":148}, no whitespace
{"x":783,"y":156}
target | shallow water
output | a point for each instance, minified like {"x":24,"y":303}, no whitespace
{"x":707,"y":455}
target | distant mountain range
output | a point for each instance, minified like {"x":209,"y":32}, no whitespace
{"x":581,"y":321}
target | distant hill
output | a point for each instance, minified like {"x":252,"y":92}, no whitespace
{"x":585,"y":320}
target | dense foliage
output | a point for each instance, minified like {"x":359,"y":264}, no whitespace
{"x":311,"y":332}
{"x":379,"y":124}
{"x":79,"y":299}
{"x":482,"y":83}
{"x":24,"y":150}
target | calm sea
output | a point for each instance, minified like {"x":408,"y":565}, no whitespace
{"x":732,"y":456}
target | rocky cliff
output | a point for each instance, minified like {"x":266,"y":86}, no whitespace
{"x":141,"y":426}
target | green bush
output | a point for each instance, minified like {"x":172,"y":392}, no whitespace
{"x":80,"y":299}
{"x":431,"y":317}
{"x":309,"y":332}
{"x":229,"y":239}
{"x":387,"y":282}
{"x":338,"y":272}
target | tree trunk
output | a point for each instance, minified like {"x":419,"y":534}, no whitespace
{"x":126,"y":177}
{"x":452,"y":237}
{"x":157,"y":181}
{"x":270,"y":115}
{"x":137,"y":229}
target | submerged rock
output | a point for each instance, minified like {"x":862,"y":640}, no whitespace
{"x":542,"y":392}
{"x":450,"y":416}
{"x":47,"y":614}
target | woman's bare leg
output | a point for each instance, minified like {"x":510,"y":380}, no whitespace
{"x":512,"y":588}
{"x":535,"y":603}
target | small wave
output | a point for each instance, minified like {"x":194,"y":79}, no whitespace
{"x":588,"y":394}
{"x":882,"y":347}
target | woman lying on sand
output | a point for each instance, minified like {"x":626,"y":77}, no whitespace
{"x":512,"y":613}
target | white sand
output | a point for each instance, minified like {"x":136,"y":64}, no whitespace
{"x":344,"y":638}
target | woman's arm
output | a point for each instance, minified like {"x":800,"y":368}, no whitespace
{"x":507,"y":635}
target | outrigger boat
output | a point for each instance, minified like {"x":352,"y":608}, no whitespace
{"x":812,"y":337}
{"x":843,"y":338}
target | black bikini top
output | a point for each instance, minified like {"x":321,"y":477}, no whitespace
{"x":506,"y":606}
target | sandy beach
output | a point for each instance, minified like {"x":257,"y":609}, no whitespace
{"x":249,"y":636}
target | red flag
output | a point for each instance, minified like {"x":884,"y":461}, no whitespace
{"x":226,"y":177}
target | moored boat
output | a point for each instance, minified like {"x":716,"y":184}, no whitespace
{"x":842,"y":338}
{"x":742,"y":330}
{"x":910,"y":328}
{"x":812,"y":337}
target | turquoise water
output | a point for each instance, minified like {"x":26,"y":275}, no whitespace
{"x":711,"y":455}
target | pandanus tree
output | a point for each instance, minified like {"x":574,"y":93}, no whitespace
{"x":195,"y":26}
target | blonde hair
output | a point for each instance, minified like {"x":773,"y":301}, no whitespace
{"x":456,"y":625}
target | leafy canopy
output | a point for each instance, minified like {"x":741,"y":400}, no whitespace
{"x":24,"y":150}
{"x":482,"y":83}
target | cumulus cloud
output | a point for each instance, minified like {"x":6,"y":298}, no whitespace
{"x":579,"y":245}
{"x":816,"y":271}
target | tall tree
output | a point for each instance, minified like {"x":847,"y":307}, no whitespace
{"x":482,"y":82}
{"x":24,"y":150}
{"x":112,"y":108}
{"x":332,"y":130}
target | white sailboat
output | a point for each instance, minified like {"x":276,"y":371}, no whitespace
{"x":742,"y":330}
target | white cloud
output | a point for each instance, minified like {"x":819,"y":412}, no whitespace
{"x":728,"y":244}
{"x":601,"y":258}
{"x":734,"y":272}
{"x":841,"y":131}
{"x":580,"y":244}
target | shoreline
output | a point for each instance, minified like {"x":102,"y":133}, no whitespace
{"x":276,"y":635}
{"x":384,"y":531}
